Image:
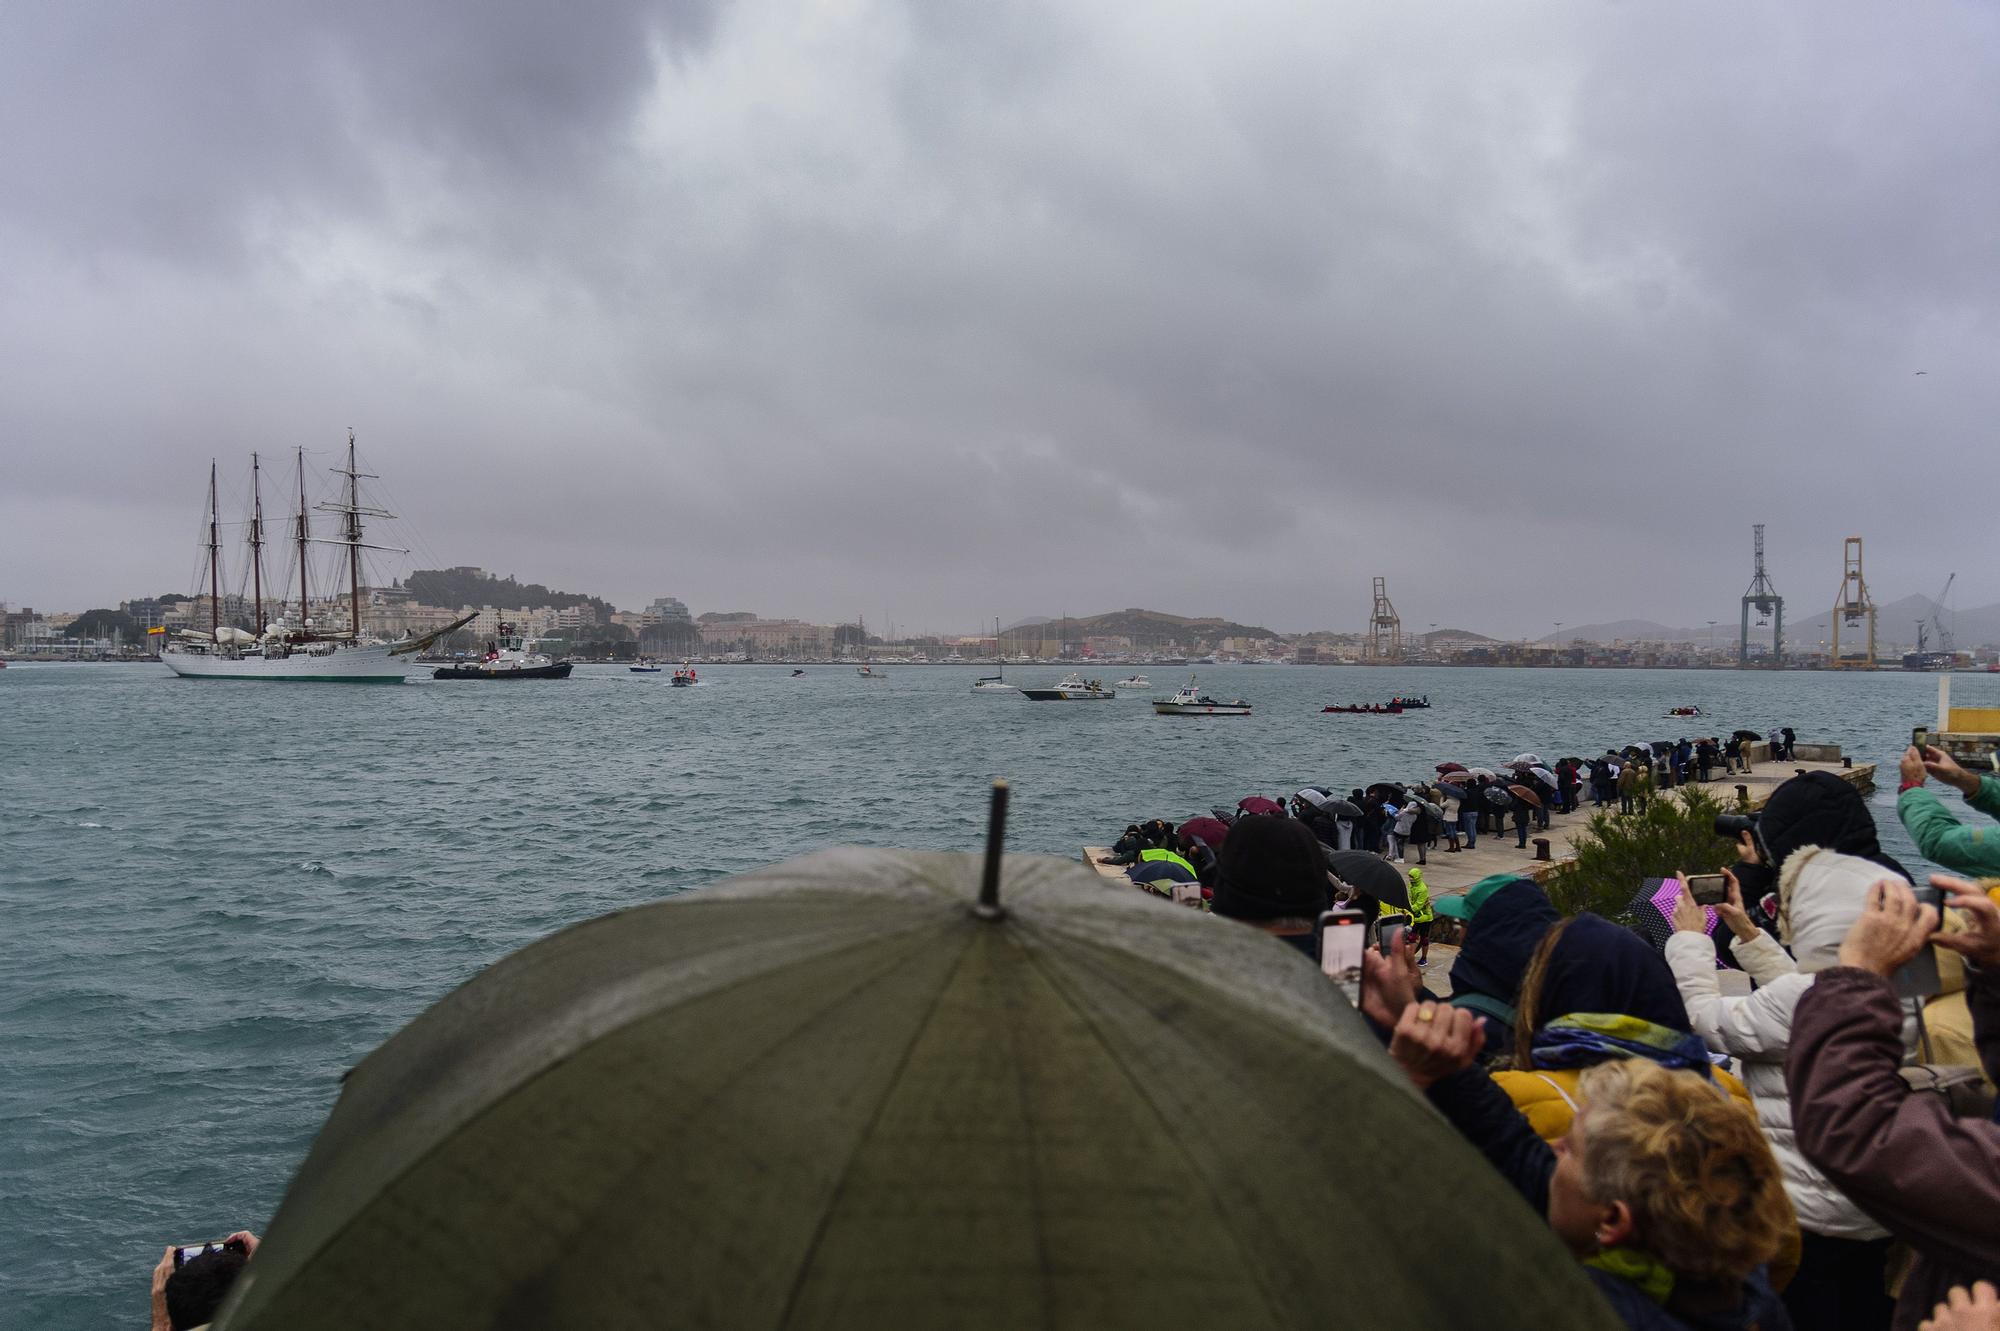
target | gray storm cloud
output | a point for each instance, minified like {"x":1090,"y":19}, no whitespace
{"x":958,"y":310}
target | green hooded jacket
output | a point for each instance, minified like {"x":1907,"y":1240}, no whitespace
{"x":1944,"y":840}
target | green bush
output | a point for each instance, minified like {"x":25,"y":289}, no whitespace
{"x":1616,"y":854}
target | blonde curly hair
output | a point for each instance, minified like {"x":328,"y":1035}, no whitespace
{"x":1706,"y":1194}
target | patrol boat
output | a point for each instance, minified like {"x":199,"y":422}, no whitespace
{"x":1071,"y":688}
{"x":1191,"y":702}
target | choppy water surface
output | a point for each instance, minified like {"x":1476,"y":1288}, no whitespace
{"x":220,"y":895}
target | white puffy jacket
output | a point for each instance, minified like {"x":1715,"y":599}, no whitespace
{"x":1823,"y":894}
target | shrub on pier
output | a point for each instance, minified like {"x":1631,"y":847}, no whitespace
{"x":1615,"y":854}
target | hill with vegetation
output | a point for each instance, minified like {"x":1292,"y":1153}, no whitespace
{"x":452,"y":588}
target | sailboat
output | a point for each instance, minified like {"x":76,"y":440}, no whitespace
{"x":277,"y":652}
{"x":995,"y":683}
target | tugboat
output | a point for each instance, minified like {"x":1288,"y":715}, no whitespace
{"x":1190,"y":702}
{"x":508,"y":657}
{"x":1071,"y":688}
{"x":685,"y":678}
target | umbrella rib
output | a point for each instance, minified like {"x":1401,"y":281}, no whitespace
{"x":861,"y":1140}
{"x":1140,"y":1089}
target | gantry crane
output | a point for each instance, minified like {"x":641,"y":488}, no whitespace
{"x":1852,"y":606}
{"x":1770,"y":607}
{"x":1385,"y":629}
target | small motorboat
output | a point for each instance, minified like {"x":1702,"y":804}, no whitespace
{"x":1375,"y":709}
{"x":1684,"y":711}
{"x":993,"y":684}
{"x":510,"y":656}
{"x":1071,"y":688}
{"x":645,"y":668}
{"x":1191,"y":702}
{"x":685,"y":677}
{"x":1133,"y":682}
{"x":797,"y":673}
{"x":1407,"y":704}
{"x":869,"y":672}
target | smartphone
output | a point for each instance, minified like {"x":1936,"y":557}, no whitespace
{"x":1708,"y":889}
{"x":1388,"y":929}
{"x":1343,"y":937}
{"x":1920,"y":738}
{"x":187,"y":1252}
{"x":1918,"y":977}
{"x":1187,"y":894}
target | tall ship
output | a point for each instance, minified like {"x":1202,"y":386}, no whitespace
{"x":305,"y":651}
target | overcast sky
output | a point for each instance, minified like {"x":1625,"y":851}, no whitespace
{"x":952,"y":310}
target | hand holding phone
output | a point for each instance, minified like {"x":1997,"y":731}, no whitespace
{"x":1708,"y":889}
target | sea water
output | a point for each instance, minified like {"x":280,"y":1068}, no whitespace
{"x":218,"y":896}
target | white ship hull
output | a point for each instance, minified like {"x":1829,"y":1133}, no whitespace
{"x":343,"y":665}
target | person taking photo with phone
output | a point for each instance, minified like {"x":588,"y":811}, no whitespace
{"x":191,"y":1280}
{"x":1841,"y":1279}
{"x":1941,"y":838}
{"x":1931,"y":1178}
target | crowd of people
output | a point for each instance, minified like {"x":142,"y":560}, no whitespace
{"x":1821,"y":1151}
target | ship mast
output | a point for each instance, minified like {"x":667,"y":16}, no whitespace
{"x":257,"y":544}
{"x":304,"y":534}
{"x":214,"y":561}
{"x":351,"y":514}
{"x":353,"y":535}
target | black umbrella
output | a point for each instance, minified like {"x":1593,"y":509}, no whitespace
{"x":1662,"y":745}
{"x":1498,"y":798}
{"x":1749,"y":735}
{"x":1342,"y":808}
{"x":1370,"y":874}
{"x":838,"y":1094}
{"x":1225,"y":813}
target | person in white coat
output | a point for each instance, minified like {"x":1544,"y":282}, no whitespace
{"x":1840,"y":1283}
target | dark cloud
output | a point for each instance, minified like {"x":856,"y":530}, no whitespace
{"x":958,"y":309}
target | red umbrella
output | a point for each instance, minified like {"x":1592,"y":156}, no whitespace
{"x":1258,"y":804}
{"x":1527,"y":794}
{"x":1211,"y":830}
{"x":1450,"y":767}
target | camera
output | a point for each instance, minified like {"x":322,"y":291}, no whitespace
{"x":1733,"y":825}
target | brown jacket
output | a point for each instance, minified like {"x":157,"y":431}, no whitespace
{"x":1931,"y":1179}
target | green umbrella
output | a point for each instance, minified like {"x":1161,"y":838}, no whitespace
{"x":833,"y":1093}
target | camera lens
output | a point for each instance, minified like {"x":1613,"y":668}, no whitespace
{"x":1733,"y":825}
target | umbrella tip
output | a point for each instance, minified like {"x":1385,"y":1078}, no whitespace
{"x":989,"y":907}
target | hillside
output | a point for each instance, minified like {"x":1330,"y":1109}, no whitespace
{"x":452,"y":588}
{"x":1140,"y":625}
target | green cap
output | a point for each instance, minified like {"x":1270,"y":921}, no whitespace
{"x":1465,"y":906}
